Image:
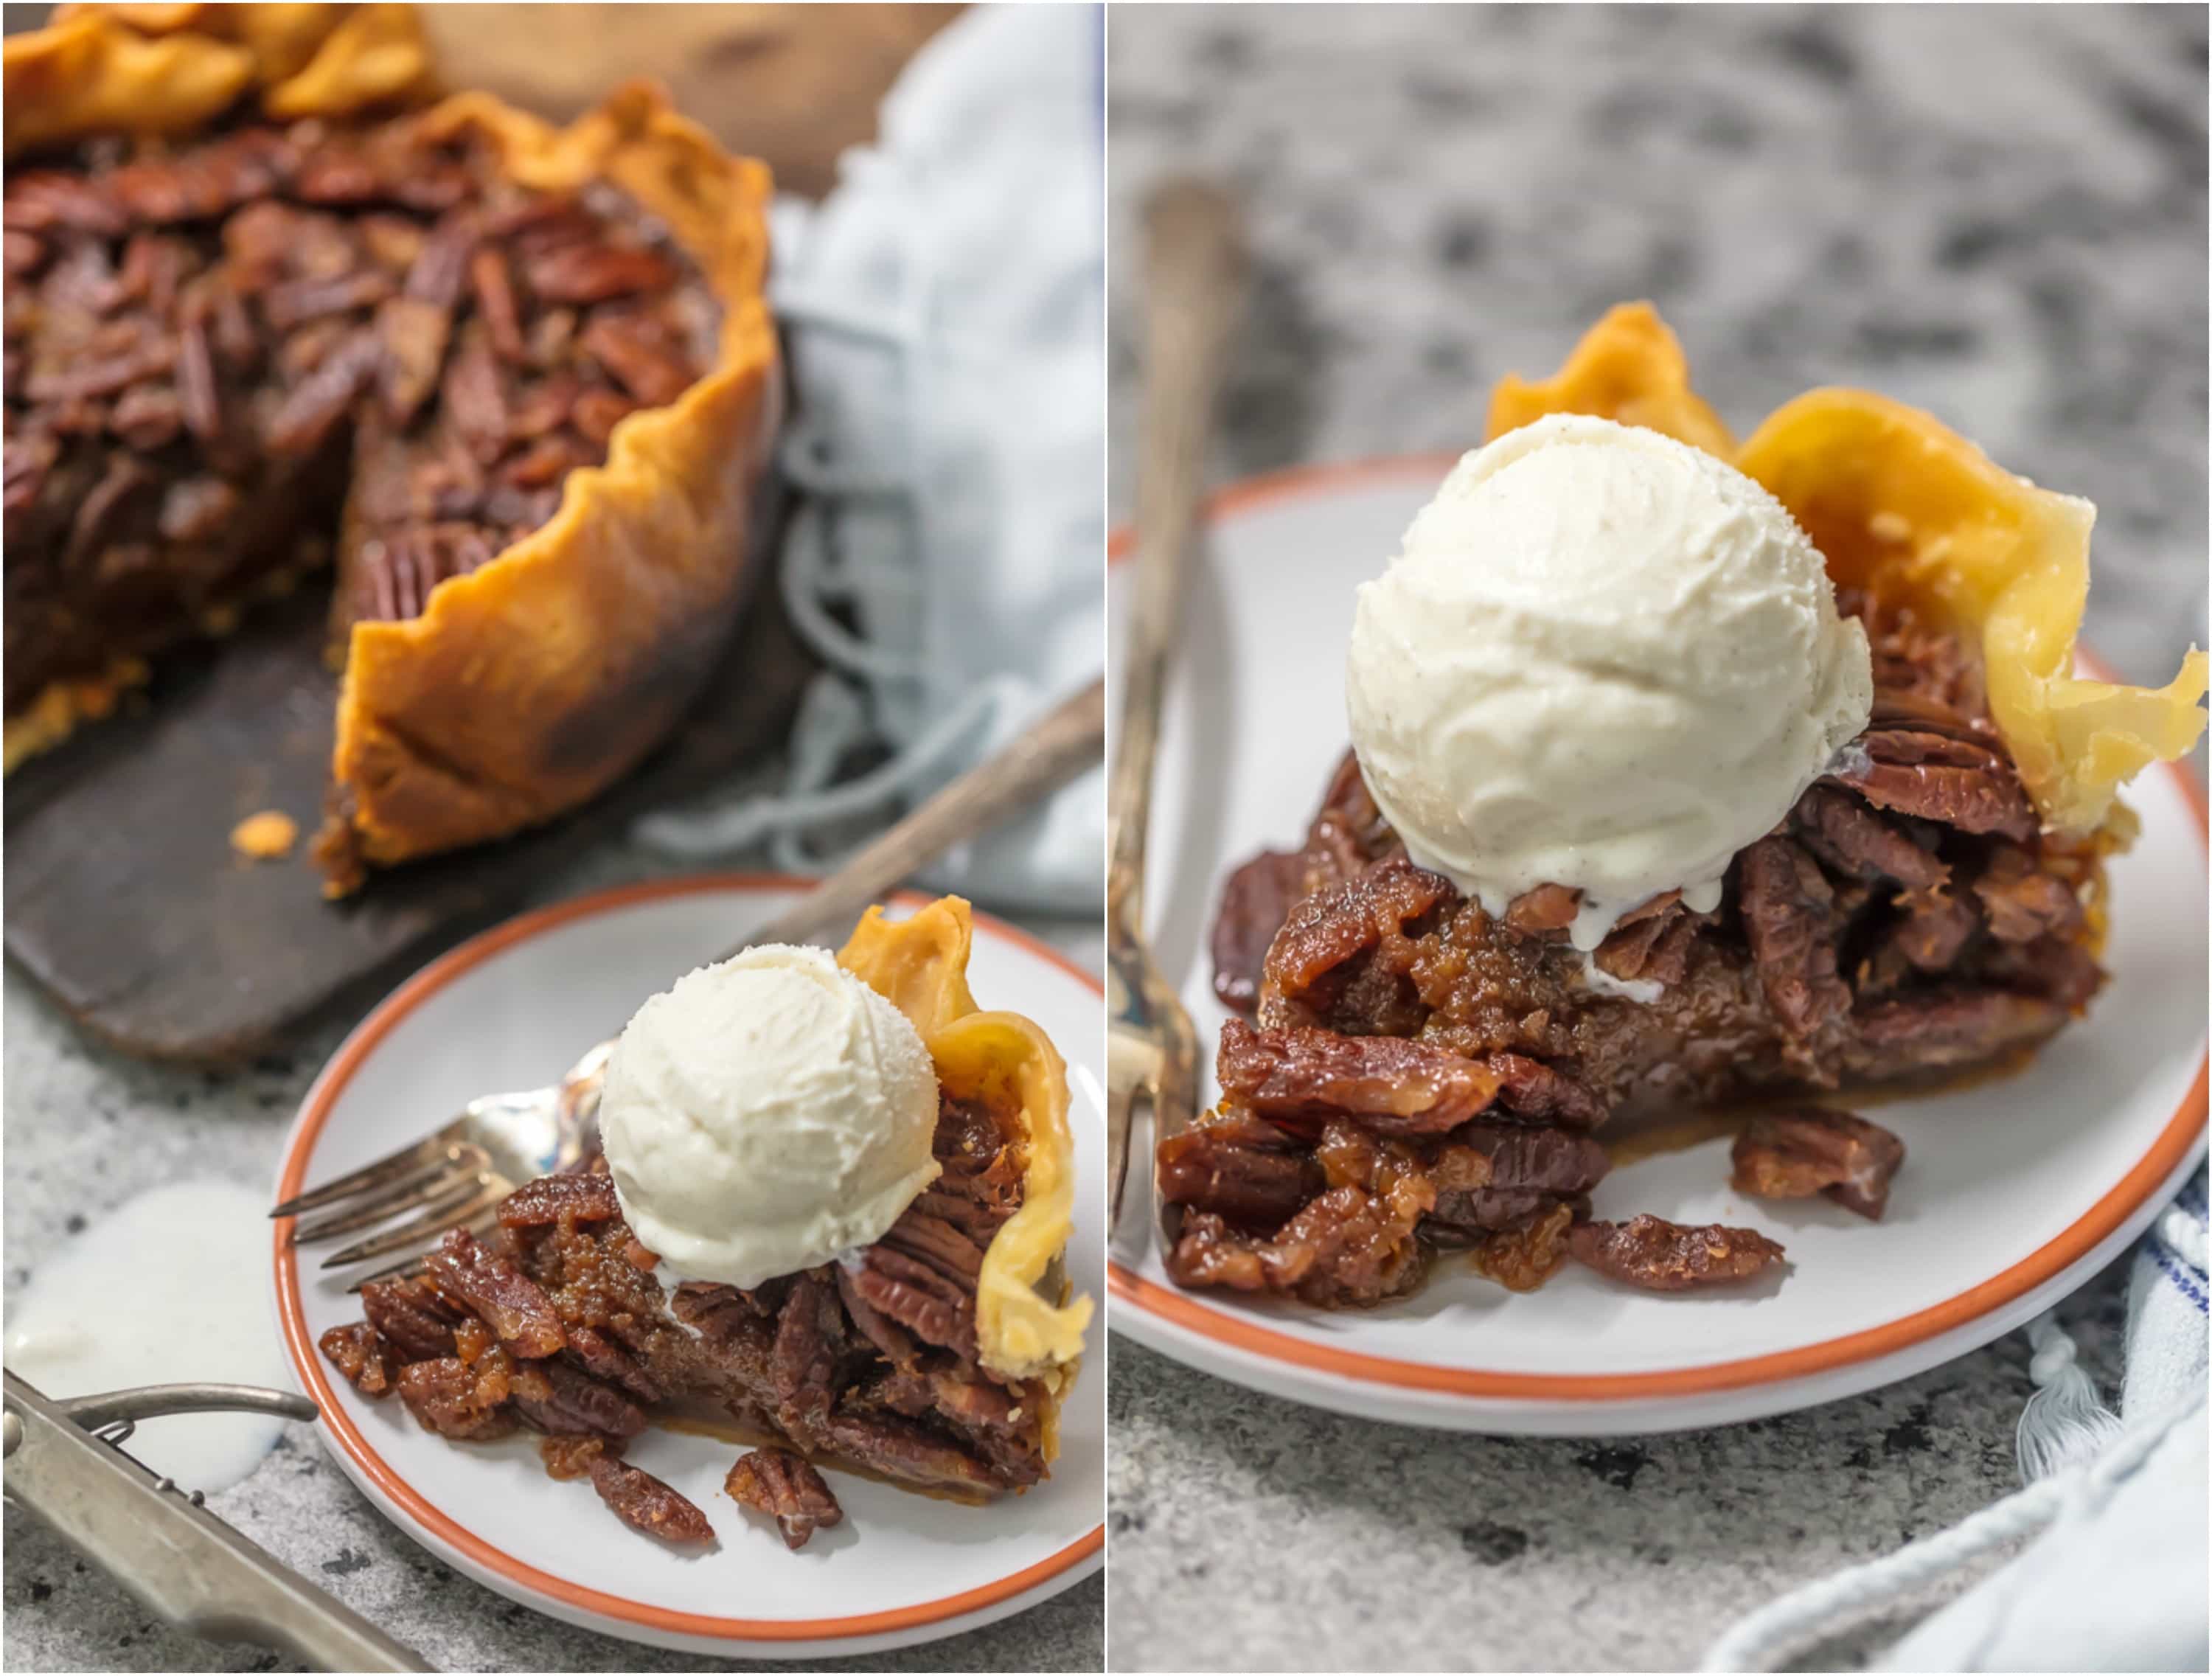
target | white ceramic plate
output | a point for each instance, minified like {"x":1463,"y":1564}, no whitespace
{"x":2014,"y":1193}
{"x":511,"y":1010}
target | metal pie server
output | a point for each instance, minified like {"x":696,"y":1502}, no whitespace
{"x":177,"y":1559}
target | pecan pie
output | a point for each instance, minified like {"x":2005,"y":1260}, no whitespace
{"x":1421,"y":1074}
{"x":267,"y":310}
{"x":930,"y":1359}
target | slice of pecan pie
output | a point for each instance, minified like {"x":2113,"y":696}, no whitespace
{"x":1421,"y":1074}
{"x":267,"y":310}
{"x":931,"y":1358}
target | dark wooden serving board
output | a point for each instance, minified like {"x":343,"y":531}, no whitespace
{"x":126,"y":901}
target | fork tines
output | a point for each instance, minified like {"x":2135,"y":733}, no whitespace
{"x":445,"y":1179}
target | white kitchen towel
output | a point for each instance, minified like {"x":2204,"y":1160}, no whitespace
{"x":2115,"y":1580}
{"x":944,"y":309}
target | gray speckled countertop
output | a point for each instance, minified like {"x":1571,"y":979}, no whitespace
{"x":86,"y":1129}
{"x":1996,"y":213}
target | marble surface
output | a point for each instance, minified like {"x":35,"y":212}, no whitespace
{"x":1997,"y":212}
{"x":85,"y":1130}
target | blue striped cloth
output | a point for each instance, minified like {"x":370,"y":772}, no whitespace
{"x":2113,"y":1513}
{"x":2117,"y":1581}
{"x":2183,"y":1272}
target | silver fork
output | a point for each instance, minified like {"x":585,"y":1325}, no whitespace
{"x":456,"y":1176}
{"x":1193,"y":267}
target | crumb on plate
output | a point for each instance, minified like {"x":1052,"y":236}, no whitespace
{"x":267,"y":837}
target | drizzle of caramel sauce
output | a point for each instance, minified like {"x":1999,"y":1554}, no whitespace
{"x":1676,"y":1133}
{"x":724,"y":1430}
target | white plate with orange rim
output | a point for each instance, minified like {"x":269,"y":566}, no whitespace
{"x":2015,"y":1191}
{"x":511,"y":1009}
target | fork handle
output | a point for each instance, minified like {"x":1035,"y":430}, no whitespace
{"x":1194,"y":271}
{"x":1051,"y":753}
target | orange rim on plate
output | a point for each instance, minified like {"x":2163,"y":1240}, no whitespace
{"x":1240,"y":1333}
{"x":323,"y":1097}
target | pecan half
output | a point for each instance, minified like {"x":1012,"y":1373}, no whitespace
{"x":491,"y":1288}
{"x":1300,"y":1074}
{"x":1664,"y":1256}
{"x":788,"y":1488}
{"x":1797,"y":1154}
{"x":646,"y":1503}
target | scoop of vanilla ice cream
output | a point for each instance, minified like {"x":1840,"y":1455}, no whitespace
{"x":1603,"y":659}
{"x":765,"y":1114}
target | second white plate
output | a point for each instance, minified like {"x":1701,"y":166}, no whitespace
{"x":508,"y":1010}
{"x":2015,"y":1192}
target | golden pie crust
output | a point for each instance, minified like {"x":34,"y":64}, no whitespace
{"x":1908,"y":510}
{"x":172,"y":70}
{"x":532,"y":683}
{"x":535,"y":682}
{"x":920,"y":966}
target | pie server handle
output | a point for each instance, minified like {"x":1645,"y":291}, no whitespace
{"x":174,"y":1557}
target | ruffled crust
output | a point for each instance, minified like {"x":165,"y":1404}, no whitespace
{"x":170,"y":69}
{"x":1903,"y":506}
{"x":1906,"y":508}
{"x":1630,"y":368}
{"x":533,"y":683}
{"x":920,"y":965}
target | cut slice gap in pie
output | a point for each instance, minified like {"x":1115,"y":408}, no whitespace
{"x":268,"y":311}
